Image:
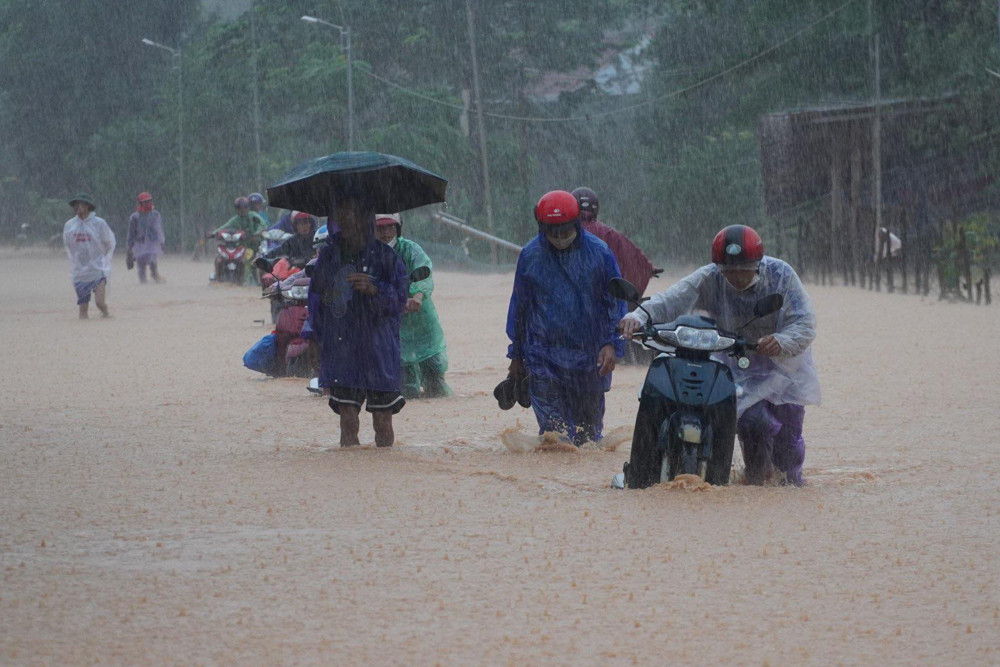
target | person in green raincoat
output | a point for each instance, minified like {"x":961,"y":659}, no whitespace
{"x":247,"y":221}
{"x":425,"y":356}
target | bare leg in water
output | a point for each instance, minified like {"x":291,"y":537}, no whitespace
{"x":384,"y":435}
{"x":349,"y":425}
{"x":99,"y":293}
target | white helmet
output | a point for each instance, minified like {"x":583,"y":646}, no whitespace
{"x":320,"y":238}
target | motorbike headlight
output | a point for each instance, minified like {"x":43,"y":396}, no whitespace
{"x":227,"y":237}
{"x":701,"y":339}
{"x":297,"y":293}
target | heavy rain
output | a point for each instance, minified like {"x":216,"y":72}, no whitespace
{"x":316,"y":347}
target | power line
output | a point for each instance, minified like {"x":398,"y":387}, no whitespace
{"x":612,"y":112}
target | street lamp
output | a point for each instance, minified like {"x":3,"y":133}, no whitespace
{"x":345,"y":45}
{"x":180,"y":126}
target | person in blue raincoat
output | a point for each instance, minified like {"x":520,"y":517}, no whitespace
{"x":356,"y":298}
{"x":561,"y":321}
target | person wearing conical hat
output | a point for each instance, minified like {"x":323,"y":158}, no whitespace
{"x":89,"y":242}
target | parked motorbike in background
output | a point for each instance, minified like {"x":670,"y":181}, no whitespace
{"x":686,"y":422}
{"x":294,"y":355}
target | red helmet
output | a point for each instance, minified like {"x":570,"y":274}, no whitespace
{"x":144,"y":196}
{"x":737,"y":244}
{"x":557,"y":208}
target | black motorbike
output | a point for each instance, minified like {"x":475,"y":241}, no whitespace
{"x":686,"y":423}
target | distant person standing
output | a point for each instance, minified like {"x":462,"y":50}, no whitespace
{"x":635,"y":266}
{"x":425,"y":355}
{"x":89,"y":243}
{"x":144,"y":243}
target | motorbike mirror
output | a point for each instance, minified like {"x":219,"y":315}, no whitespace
{"x":771,"y":303}
{"x":263,"y":264}
{"x":624,"y":290}
{"x":309,"y":268}
{"x":420,"y":273}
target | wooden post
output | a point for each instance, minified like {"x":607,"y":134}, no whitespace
{"x":904,"y":223}
{"x":965,"y":262}
{"x":836,"y":211}
{"x":889,"y":286}
{"x":881,"y":240}
{"x":854,"y":222}
{"x":798,"y":244}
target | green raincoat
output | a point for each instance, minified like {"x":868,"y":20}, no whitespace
{"x":252,"y":224}
{"x":422,"y":339}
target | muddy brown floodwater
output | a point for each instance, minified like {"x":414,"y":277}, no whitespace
{"x":159,"y":503}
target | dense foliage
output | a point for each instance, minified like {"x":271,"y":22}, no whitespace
{"x":84,"y":105}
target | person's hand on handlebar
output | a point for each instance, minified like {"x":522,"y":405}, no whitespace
{"x":628,"y":325}
{"x":768,"y":346}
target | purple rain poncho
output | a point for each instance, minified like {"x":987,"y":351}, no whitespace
{"x":358,"y":334}
{"x":145,"y":236}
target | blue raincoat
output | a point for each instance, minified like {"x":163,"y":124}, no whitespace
{"x":359,"y":334}
{"x":559,"y":318}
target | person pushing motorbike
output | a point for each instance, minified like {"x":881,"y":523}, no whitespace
{"x":561,"y":321}
{"x":299,"y":248}
{"x":781,"y":378}
{"x":425,"y":354}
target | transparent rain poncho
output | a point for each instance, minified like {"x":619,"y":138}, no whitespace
{"x":89,"y":244}
{"x":788,"y":378}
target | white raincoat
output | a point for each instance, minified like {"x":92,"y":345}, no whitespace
{"x":89,"y":244}
{"x":788,"y":378}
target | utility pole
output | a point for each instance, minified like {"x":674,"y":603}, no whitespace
{"x":877,"y":126}
{"x":176,"y":53}
{"x":180,"y":144}
{"x":256,"y":95}
{"x":482,"y":128}
{"x":345,"y":46}
{"x":350,"y":90}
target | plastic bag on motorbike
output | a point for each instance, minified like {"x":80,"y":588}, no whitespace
{"x":261,"y":356}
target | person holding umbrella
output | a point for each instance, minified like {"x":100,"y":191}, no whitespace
{"x":356,"y":297}
{"x":359,"y":285}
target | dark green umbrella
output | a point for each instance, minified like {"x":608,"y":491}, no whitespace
{"x":388,"y":184}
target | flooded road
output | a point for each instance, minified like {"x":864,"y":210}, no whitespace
{"x":160,"y":503}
